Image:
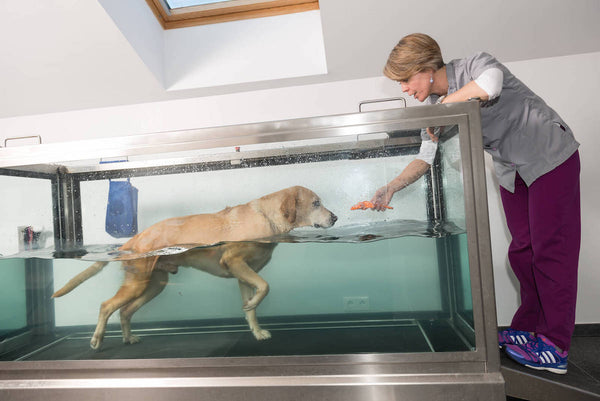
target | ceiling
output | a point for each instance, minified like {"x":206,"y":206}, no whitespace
{"x":61,"y":55}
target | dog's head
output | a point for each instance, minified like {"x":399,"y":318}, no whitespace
{"x":301,"y":207}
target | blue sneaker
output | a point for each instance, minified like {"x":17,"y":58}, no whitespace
{"x":540,"y":354}
{"x":514,"y":337}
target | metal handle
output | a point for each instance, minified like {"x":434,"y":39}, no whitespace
{"x":119,"y":160}
{"x":23,"y":137}
{"x":391,"y":99}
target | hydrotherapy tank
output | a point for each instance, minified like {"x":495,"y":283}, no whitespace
{"x":382,"y":305}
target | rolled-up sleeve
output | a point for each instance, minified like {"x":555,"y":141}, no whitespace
{"x":427,"y":151}
{"x":491,"y":82}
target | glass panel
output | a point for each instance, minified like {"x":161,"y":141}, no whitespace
{"x":13,"y":314}
{"x":375,"y":282}
{"x":26,"y":221}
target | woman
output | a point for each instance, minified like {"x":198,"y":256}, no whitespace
{"x":537,"y":164}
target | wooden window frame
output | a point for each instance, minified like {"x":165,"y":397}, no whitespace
{"x":224,"y":12}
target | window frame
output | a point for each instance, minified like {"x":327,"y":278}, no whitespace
{"x":233,"y":10}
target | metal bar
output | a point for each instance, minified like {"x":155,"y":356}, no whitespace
{"x":478,"y":237}
{"x":45,"y":172}
{"x":391,"y":99}
{"x":248,"y":134}
{"x":425,"y":336}
{"x":15,"y":342}
{"x":459,"y":333}
{"x":243,"y":160}
{"x":466,"y":330}
{"x":68,"y":231}
{"x":41,"y":349}
{"x":39,"y":138}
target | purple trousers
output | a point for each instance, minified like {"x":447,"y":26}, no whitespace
{"x":544,"y":220}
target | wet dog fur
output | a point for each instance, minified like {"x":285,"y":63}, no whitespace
{"x":146,"y":277}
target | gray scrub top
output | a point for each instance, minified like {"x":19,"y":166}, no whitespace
{"x":521,"y":132}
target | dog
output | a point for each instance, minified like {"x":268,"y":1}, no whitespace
{"x":233,"y":255}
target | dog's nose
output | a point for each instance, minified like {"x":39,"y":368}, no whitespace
{"x":333,"y":218}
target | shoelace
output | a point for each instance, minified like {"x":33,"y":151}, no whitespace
{"x":537,"y":346}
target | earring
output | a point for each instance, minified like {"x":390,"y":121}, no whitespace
{"x":431,"y":80}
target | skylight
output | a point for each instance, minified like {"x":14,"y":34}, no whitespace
{"x":185,"y":13}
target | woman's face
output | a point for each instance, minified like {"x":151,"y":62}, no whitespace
{"x":418,"y":86}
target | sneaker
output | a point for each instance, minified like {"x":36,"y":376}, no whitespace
{"x":514,"y":337}
{"x":540,"y":354}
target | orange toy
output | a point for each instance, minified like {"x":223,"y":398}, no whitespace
{"x":365,"y":205}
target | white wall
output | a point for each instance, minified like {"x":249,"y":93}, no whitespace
{"x":142,"y":30}
{"x":283,"y":46}
{"x":259,"y":49}
{"x":247,"y":107}
{"x":569,"y":84}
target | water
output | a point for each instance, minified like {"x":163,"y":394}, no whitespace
{"x":357,"y":233}
{"x":386,"y":287}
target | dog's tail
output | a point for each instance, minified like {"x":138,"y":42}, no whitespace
{"x":80,"y":278}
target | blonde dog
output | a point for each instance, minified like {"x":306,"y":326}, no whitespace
{"x":232,"y":256}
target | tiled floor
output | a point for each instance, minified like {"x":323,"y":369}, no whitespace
{"x":582,"y":379}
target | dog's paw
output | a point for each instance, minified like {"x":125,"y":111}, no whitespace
{"x":131,"y":339}
{"x":261,"y":334}
{"x":95,"y":343}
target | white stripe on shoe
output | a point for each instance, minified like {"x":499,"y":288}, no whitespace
{"x":547,"y":357}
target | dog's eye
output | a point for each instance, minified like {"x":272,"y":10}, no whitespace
{"x":317,"y":203}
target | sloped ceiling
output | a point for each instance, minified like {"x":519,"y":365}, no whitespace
{"x":61,"y":55}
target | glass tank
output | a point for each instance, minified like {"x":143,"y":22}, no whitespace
{"x":244,"y":242}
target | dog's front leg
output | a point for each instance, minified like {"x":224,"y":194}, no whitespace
{"x":247,"y":292}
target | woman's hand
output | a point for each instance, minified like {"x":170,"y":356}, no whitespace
{"x":382,"y":198}
{"x":430,"y":131}
{"x":411,"y":173}
{"x":435,"y":137}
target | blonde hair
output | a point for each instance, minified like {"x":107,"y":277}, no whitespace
{"x":414,"y":53}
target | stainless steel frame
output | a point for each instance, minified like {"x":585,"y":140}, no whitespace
{"x":451,"y":376}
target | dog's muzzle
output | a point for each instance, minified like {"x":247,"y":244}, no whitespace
{"x":332,"y":219}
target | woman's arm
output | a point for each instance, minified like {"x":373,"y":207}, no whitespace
{"x":467,"y":92}
{"x":410,"y":174}
{"x":486,"y":87}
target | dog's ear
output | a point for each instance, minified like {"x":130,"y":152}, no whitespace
{"x":288,"y":206}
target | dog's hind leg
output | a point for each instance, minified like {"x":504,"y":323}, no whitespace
{"x":247,"y":292}
{"x":157,"y":283}
{"x":137,"y":277}
{"x":237,"y":266}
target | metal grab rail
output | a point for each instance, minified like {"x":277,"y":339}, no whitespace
{"x":39,"y":137}
{"x":391,"y":99}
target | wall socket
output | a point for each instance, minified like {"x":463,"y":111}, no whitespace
{"x":356,"y":304}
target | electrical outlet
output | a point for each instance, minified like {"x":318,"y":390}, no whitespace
{"x":354,"y":304}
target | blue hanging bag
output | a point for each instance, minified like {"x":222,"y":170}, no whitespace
{"x":121,"y":211}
